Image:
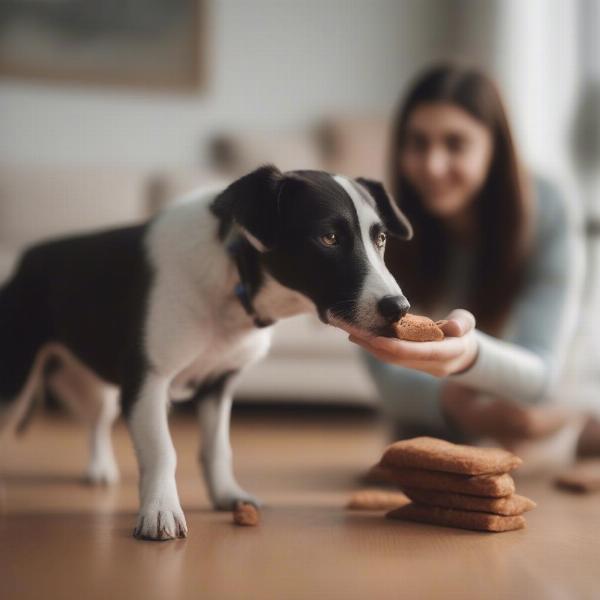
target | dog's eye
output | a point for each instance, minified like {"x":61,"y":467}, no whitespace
{"x":380,"y":240}
{"x":329,"y":239}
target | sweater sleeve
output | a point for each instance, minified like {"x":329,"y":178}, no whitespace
{"x":527,"y":366}
{"x":409,"y":396}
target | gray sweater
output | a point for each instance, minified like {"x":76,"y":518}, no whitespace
{"x":525,"y":364}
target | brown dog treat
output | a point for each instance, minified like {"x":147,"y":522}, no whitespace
{"x":584,"y":477}
{"x":508,"y":506}
{"x":488,"y":486}
{"x":462,"y":519}
{"x":246,"y":513}
{"x":376,"y":475}
{"x":439,"y":455}
{"x":376,"y":500}
{"x":414,"y":328}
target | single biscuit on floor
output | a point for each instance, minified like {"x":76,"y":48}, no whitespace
{"x":584,"y":477}
{"x":438,"y":455}
{"x":489,"y":486}
{"x":462,"y":519}
{"x":509,"y":506}
{"x":245,"y":513}
{"x":376,"y":500}
{"x":414,"y":328}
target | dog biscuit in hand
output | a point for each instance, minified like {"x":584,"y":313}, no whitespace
{"x":414,"y":328}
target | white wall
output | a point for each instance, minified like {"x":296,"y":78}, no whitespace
{"x":531,"y":48}
{"x":273,"y":64}
{"x":539,"y":68}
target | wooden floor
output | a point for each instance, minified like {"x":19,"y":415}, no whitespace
{"x":60,"y":539}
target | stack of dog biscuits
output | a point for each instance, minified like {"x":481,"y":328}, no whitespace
{"x":455,"y":485}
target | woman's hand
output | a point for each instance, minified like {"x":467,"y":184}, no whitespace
{"x":503,"y":420}
{"x":456,"y":353}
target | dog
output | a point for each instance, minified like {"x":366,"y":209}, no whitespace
{"x":177,"y":307}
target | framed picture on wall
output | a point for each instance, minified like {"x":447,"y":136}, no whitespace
{"x":137,"y":43}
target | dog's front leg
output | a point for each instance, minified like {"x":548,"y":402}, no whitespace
{"x":160,"y":516}
{"x":214,"y":410}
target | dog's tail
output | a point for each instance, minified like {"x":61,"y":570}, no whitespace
{"x":18,"y":414}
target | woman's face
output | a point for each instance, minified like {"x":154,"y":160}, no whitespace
{"x":446,"y":157}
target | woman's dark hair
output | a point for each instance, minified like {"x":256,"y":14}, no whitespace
{"x":503,"y":206}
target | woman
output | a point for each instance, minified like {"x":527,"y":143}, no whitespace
{"x":486,"y":240}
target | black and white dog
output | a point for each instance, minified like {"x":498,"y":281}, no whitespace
{"x":177,"y":307}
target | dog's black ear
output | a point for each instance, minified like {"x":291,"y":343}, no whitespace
{"x":395,"y":221}
{"x":251,"y":202}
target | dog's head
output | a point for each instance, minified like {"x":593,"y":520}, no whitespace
{"x":323,"y":236}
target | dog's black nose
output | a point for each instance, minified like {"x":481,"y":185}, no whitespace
{"x":393,"y":308}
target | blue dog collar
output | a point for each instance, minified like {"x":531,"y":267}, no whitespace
{"x":241,"y":253}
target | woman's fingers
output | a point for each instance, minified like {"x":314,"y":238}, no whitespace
{"x":452,"y":328}
{"x":527,"y":422}
{"x":438,"y":368}
{"x":401,"y":350}
{"x":503,"y":419}
{"x":460,"y":322}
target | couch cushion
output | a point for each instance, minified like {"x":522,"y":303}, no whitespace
{"x":169,"y":186}
{"x":40,"y":202}
{"x":355,"y":146}
{"x":241,"y":152}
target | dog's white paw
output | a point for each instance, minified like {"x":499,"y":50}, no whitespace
{"x":102,"y":472}
{"x":228,"y":500}
{"x":160,"y":524}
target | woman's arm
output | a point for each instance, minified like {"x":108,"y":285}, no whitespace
{"x":527,"y":366}
{"x":543,"y":323}
{"x":409,"y":397}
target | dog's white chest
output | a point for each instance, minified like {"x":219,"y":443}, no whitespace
{"x":217,"y":357}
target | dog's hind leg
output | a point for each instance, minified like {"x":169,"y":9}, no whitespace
{"x":214,"y":402}
{"x":102,"y":468}
{"x":97,"y":403}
